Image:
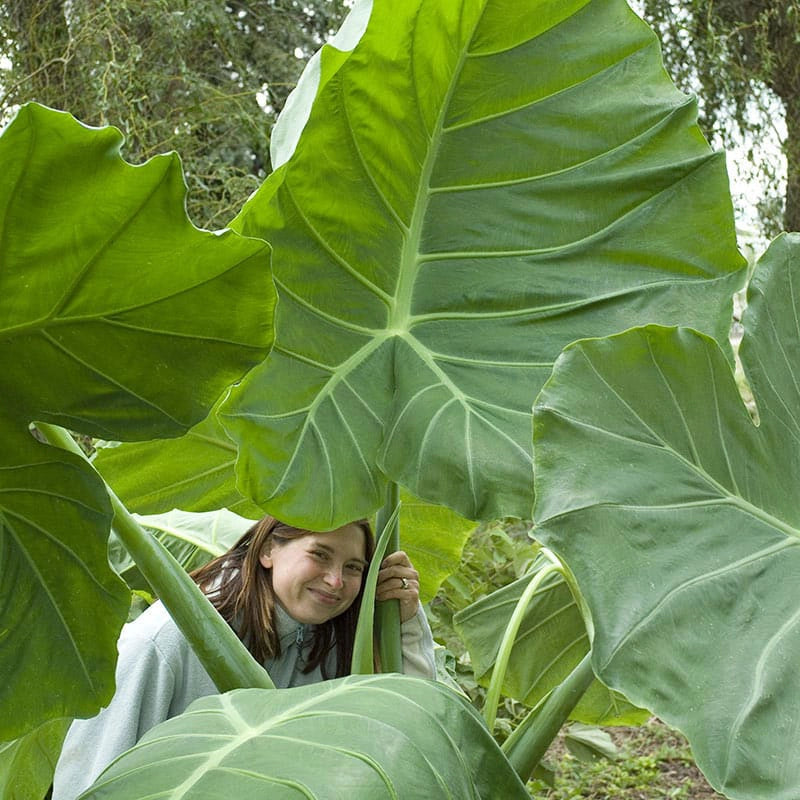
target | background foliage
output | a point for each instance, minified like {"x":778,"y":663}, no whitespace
{"x":204,"y":78}
{"x":742,"y":58}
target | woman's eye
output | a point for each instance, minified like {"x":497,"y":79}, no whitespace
{"x":357,"y":568}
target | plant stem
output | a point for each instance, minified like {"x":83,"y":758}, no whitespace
{"x":530,"y":740}
{"x":388,"y":611}
{"x":577,"y":595}
{"x":507,"y":643}
{"x":363,"y":662}
{"x":221,"y":652}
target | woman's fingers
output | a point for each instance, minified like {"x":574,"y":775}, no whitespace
{"x":398,"y":558}
{"x":398,"y":580}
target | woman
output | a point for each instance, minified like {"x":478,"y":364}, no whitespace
{"x":293,"y":598}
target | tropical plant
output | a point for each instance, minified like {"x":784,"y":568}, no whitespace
{"x":27,"y":763}
{"x":349,"y":391}
{"x":513,"y":181}
{"x":415,"y":264}
{"x":431,"y":744}
{"x":690,"y":506}
{"x":528,"y":636}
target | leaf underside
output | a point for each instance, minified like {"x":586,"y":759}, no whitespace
{"x":367,"y":737}
{"x":683,"y":529}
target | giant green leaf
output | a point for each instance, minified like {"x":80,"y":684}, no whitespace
{"x":61,"y":607}
{"x":363,"y":737}
{"x":475,"y":185}
{"x":115,"y":320}
{"x":115,"y":312}
{"x":551,"y":641}
{"x":433,"y":537}
{"x":679,"y":518}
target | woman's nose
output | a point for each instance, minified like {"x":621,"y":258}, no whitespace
{"x":333,"y":577}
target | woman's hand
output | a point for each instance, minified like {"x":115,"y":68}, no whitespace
{"x":398,"y":580}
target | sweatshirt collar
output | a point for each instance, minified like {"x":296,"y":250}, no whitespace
{"x":288,"y":627}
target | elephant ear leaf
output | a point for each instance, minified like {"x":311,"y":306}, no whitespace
{"x":194,"y":472}
{"x":434,"y":538}
{"x":679,"y":518}
{"x":115,"y":312}
{"x":475,"y":185}
{"x":370,"y":737}
{"x":115,"y":322}
{"x":62,"y":606}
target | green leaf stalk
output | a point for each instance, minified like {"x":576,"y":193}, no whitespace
{"x":221,"y":652}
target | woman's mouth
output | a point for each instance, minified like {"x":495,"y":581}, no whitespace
{"x":325,"y":597}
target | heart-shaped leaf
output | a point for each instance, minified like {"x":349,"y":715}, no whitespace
{"x":363,"y":737}
{"x":679,"y":518}
{"x":114,"y":321}
{"x":476,"y":185}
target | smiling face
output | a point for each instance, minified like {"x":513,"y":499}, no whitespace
{"x":317,"y":576}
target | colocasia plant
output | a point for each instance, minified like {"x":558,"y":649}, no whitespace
{"x":462,"y":188}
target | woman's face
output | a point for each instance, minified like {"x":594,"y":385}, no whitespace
{"x":317,"y":576}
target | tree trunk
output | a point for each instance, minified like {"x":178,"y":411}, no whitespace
{"x":791,"y":214}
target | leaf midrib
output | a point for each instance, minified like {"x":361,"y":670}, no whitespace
{"x":410,"y":255}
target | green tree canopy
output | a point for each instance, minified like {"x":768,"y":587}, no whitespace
{"x":204,"y":78}
{"x":742,"y":57}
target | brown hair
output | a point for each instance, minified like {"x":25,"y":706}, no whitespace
{"x":240,"y":588}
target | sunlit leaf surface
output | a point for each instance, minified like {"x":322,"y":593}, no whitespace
{"x":477,"y":184}
{"x":115,"y":320}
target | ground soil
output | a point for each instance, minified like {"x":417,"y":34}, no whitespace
{"x":654,"y":763}
{"x":677,"y":771}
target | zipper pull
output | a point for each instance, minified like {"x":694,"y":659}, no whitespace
{"x":301,"y":632}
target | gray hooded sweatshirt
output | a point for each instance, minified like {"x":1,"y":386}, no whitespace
{"x":158,"y":676}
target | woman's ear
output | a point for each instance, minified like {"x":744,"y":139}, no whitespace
{"x":265,"y":559}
